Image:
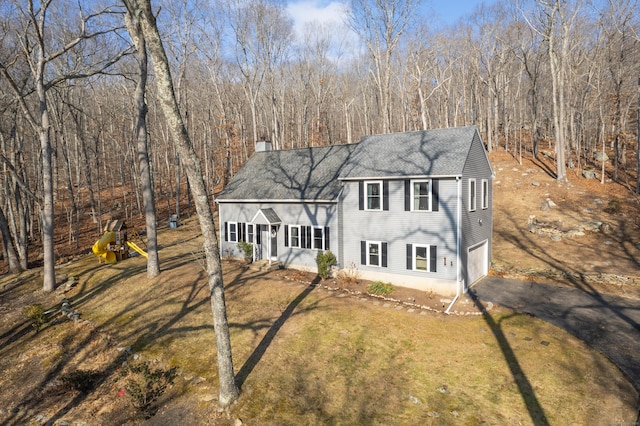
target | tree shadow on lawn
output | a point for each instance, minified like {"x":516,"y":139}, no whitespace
{"x":264,"y":344}
{"x":536,"y":412}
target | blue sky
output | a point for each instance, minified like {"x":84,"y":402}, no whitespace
{"x":330,"y":11}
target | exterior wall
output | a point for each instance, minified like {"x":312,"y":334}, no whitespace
{"x":477,"y":226}
{"x":319,"y":215}
{"x":398,"y":228}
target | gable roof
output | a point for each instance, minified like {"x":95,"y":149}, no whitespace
{"x":305,"y":174}
{"x":438,"y":152}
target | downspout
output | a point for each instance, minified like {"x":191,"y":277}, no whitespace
{"x":458,"y":243}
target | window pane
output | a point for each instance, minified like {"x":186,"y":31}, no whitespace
{"x":421,"y":258}
{"x":295,"y":236}
{"x":373,"y":196}
{"x":250,"y":233}
{"x":421,"y":196}
{"x":317,"y":238}
{"x":374,"y":254}
{"x":233,"y":232}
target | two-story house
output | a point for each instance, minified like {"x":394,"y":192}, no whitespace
{"x":414,"y":208}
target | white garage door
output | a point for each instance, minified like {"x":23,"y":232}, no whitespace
{"x":477,"y":262}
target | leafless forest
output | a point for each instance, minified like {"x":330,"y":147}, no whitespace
{"x":547,"y":77}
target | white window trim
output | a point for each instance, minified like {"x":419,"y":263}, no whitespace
{"x":427,"y":260}
{"x":291,"y":236}
{"x":250,"y":235}
{"x":485,"y":194}
{"x":413,"y":199}
{"x":235,"y":225}
{"x":473,"y":195}
{"x":379,"y":244}
{"x":366,"y":195}
{"x":313,"y":238}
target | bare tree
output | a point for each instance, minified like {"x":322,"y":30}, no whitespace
{"x":148,"y":199}
{"x":141,"y":10}
{"x":39,"y":49}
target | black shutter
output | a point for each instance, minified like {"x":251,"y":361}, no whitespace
{"x":435,"y":197}
{"x":433,"y":253}
{"x":385,"y":195}
{"x":226,"y":231}
{"x":286,"y":235}
{"x":384,"y":255}
{"x":258,"y":235}
{"x":363,"y":252}
{"x":409,"y":257}
{"x":407,"y":195}
{"x":326,"y":238}
{"x":361,"y":195}
{"x":309,"y":238}
{"x":303,"y":237}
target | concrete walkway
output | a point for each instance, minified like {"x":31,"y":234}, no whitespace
{"x":609,"y":324}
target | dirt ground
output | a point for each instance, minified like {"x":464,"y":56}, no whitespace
{"x":584,"y":234}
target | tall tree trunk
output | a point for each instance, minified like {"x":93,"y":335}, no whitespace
{"x":10,"y":252}
{"x":148,"y":200}
{"x":228,"y":391}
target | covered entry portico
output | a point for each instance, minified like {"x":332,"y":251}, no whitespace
{"x":266,"y":223}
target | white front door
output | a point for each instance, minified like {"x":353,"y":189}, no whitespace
{"x":477,"y":262}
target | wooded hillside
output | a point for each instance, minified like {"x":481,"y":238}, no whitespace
{"x":552,"y":76}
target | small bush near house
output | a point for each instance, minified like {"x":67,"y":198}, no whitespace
{"x":325,"y":261}
{"x":349,"y":275}
{"x":247,"y":251}
{"x":36,"y":314}
{"x":614,"y":206}
{"x":145,"y":385}
{"x":380,"y":288}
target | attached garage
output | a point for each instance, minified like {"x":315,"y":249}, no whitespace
{"x":477,"y":262}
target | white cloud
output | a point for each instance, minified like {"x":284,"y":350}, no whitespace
{"x":316,"y":11}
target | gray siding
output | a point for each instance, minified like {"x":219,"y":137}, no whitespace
{"x":398,"y":228}
{"x":310,"y":214}
{"x":477,"y":226}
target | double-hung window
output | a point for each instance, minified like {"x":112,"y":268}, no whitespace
{"x":374,"y":195}
{"x":294,"y":236}
{"x":373,"y":253}
{"x":421,"y":195}
{"x":318,"y":238}
{"x":249,"y":233}
{"x":233,"y":232}
{"x":485,"y":194}
{"x":472,"y":195}
{"x":421,"y":257}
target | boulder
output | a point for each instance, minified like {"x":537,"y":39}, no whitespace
{"x":589,"y":174}
{"x":600,"y":156}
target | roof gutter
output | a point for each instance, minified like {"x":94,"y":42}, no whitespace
{"x":219,"y":201}
{"x":399,"y":177}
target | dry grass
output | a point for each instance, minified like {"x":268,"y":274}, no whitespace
{"x":303,"y":354}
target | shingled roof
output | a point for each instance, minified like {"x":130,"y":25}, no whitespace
{"x":305,"y":174}
{"x":438,"y":152}
{"x":313,"y":174}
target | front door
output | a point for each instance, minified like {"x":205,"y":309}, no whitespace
{"x":274,"y":242}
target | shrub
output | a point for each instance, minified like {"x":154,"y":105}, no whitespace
{"x":36,"y":314}
{"x":325,"y":260}
{"x":146,"y":385}
{"x":380,"y":288}
{"x":81,"y":380}
{"x":247,"y":251}
{"x":349,"y":275}
{"x":614,"y":206}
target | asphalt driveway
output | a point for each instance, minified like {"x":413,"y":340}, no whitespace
{"x":609,"y":324}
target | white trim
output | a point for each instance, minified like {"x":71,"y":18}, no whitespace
{"x":313,"y":238}
{"x":484,"y":200}
{"x":427,"y":257}
{"x":473,"y":195}
{"x":379,"y":244}
{"x":366,"y":194}
{"x":291,"y":236}
{"x":395,"y":177}
{"x":250,"y":236}
{"x":284,"y":200}
{"x":485,"y":259}
{"x":235,"y":225}
{"x":430,"y":194}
